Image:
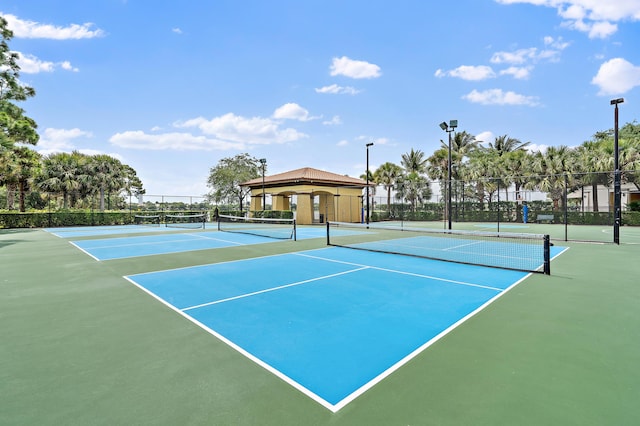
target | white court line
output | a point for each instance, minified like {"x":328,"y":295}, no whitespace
{"x":242,"y":296}
{"x":463,"y":245}
{"x":83,"y":250}
{"x":404,"y":273}
{"x":489,"y":255}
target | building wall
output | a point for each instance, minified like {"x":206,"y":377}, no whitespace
{"x":342,"y":204}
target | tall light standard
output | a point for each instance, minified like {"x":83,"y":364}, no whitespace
{"x":451,"y":127}
{"x":367,"y":173}
{"x":263,"y":161}
{"x":617,"y":202}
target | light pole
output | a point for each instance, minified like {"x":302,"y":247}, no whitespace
{"x":263,"y":161}
{"x":617,"y":204}
{"x":367,"y":173}
{"x":451,"y":127}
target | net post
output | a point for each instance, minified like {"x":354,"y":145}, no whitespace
{"x":547,"y":255}
{"x":328,"y":242}
{"x":295,"y":231}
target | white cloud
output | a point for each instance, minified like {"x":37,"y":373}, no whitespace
{"x":594,"y":17}
{"x":469,"y":72}
{"x":31,"y":29}
{"x":338,"y":90}
{"x":343,"y":142}
{"x":499,"y":97}
{"x":63,"y":140}
{"x":516,"y":57}
{"x":138,"y":139}
{"x":519,"y":73}
{"x":336,"y":120}
{"x":617,"y":76}
{"x":54,"y":140}
{"x":30,"y":64}
{"x":176,"y":30}
{"x":485,"y":137}
{"x":534,"y":147}
{"x":292,"y":111}
{"x":354,"y":69}
{"x":66,"y":65}
{"x":235,"y":128}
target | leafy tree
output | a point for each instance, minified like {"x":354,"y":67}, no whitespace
{"x":225,"y":178}
{"x":132,"y":183}
{"x":14,"y":125}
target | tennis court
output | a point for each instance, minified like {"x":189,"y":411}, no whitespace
{"x":83,"y":345}
{"x":330,"y":322}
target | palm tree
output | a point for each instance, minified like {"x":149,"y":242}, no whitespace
{"x":414,"y":161}
{"x":592,"y":163}
{"x":60,"y":175}
{"x":28,"y":165}
{"x":414,"y":188}
{"x":517,"y":165}
{"x":105,"y":174}
{"x":387,"y":175}
{"x":504,"y":143}
{"x":552,"y":166}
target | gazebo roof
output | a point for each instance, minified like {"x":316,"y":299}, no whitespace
{"x":306,"y":175}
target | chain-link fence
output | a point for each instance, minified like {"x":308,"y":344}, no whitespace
{"x":530,"y":203}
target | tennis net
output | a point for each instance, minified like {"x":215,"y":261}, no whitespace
{"x":282,"y":229}
{"x":148,"y":220}
{"x":516,"y":251}
{"x":189,"y":221}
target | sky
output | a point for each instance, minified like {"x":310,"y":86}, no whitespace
{"x":171,"y":87}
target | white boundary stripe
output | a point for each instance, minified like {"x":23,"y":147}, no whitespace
{"x":157,"y":254}
{"x":242,"y":296}
{"x":84,"y":251}
{"x":430,"y":277}
{"x":253,"y":358}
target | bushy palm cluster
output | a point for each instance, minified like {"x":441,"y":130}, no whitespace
{"x":482,"y":168}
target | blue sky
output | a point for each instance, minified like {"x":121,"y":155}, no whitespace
{"x":171,"y":87}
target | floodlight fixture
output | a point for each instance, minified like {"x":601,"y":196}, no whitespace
{"x":617,"y":101}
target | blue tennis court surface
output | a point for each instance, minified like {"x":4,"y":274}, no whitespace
{"x":90,"y":231}
{"x":331,"y":322}
{"x":147,"y":245}
{"x":176,"y":242}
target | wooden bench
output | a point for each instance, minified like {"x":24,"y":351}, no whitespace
{"x":543,"y":217}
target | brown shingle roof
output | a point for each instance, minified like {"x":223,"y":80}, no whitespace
{"x":306,"y":175}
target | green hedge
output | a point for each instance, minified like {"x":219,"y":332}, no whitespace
{"x":272,"y":214}
{"x":73,"y":218}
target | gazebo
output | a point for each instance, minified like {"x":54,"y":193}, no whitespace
{"x":338,"y":197}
